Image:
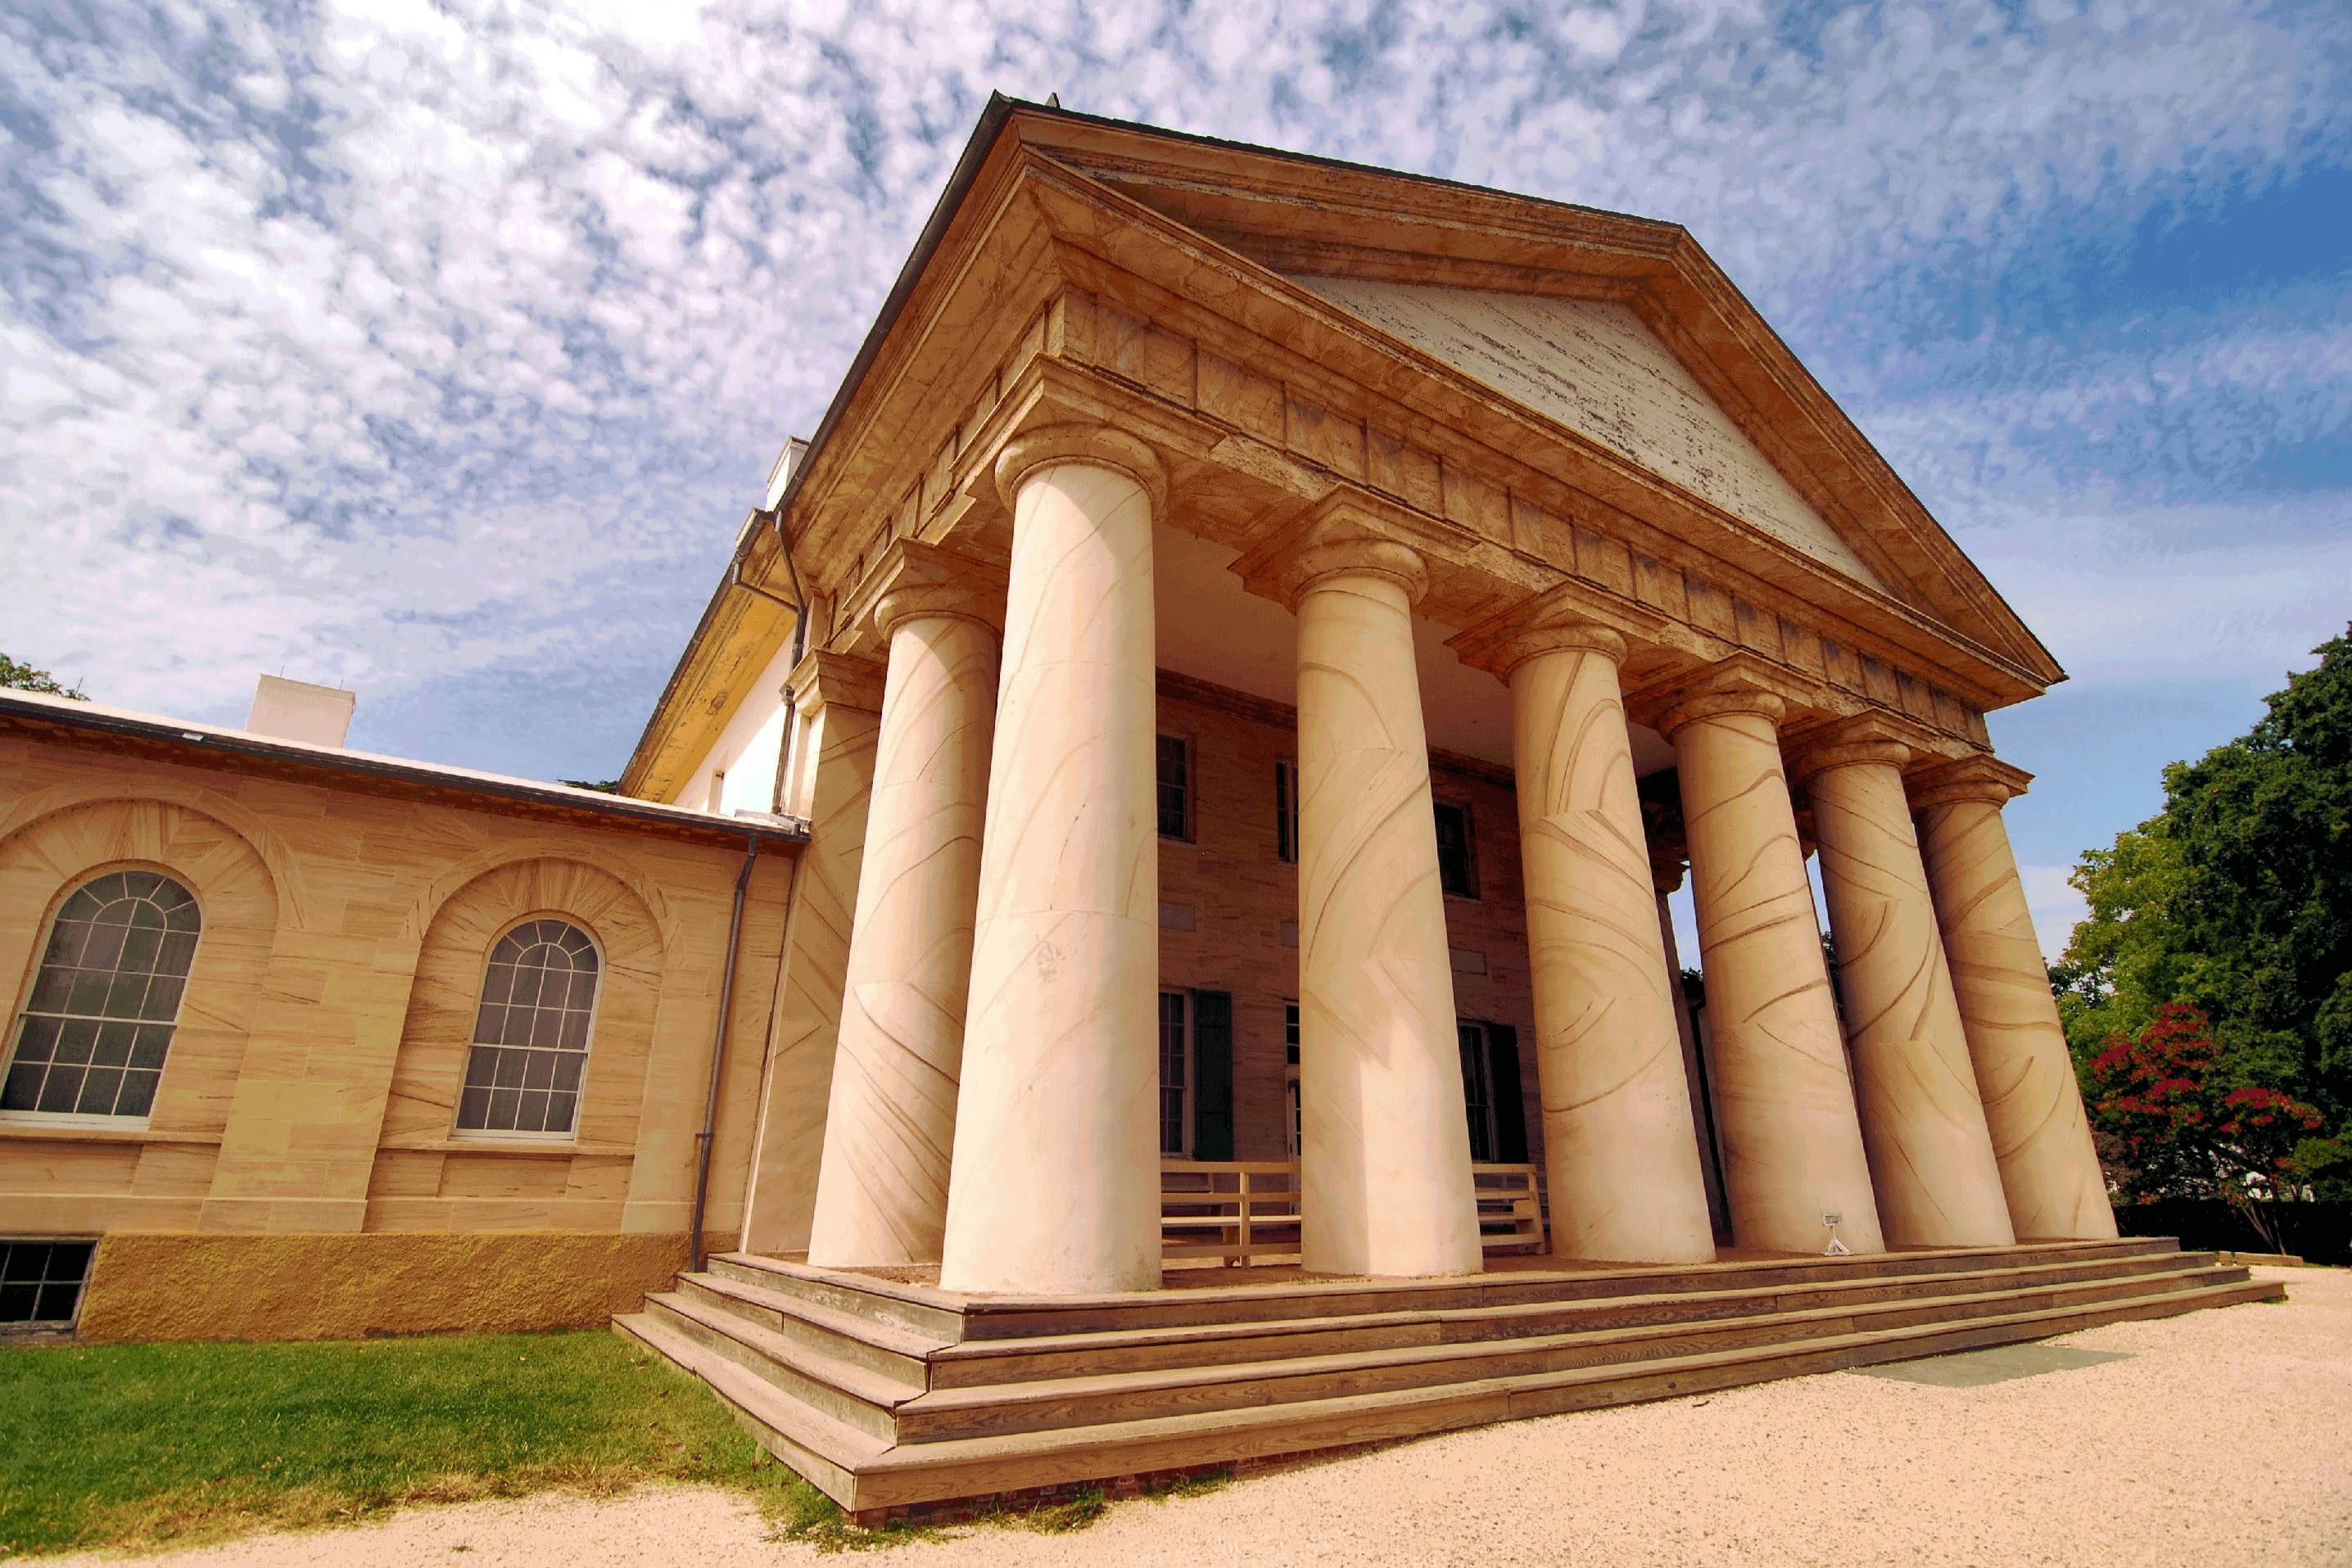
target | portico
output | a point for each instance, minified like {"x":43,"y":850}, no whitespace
{"x":1310,"y":617}
{"x":1551,"y":490}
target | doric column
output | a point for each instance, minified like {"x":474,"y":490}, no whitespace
{"x":1055,"y":1182}
{"x":1931,"y":1161}
{"x":882,"y":1191}
{"x":1620,"y":1155}
{"x":839,"y":699}
{"x":1384,"y":1183}
{"x":2032,"y":1104}
{"x":1791,"y":1144}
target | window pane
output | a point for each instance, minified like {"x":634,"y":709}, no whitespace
{"x":163,"y":1003}
{"x":1477,"y":1095}
{"x":1175,"y":786}
{"x":77,"y":1038}
{"x":99,"y":1091}
{"x":22,"y":1090}
{"x":138,"y":1092}
{"x":1172,"y":1074}
{"x":1285,"y":812}
{"x":61,"y":1089}
{"x":38,"y":1040}
{"x":113,"y":1048}
{"x":560,"y":1110}
{"x":1455,"y":873}
{"x":148,"y":1046}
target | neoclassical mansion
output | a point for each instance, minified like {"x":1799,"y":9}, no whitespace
{"x":1136,"y":936}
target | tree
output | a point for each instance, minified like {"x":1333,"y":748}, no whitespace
{"x":2236,"y":900}
{"x":25,"y":678}
{"x":2171,"y":1125}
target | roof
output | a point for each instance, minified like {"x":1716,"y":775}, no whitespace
{"x":122,"y":732}
{"x":1273,"y":212}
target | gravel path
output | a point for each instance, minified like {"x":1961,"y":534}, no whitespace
{"x":2226,"y":1437}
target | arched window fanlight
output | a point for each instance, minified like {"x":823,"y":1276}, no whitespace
{"x":93,"y":1035}
{"x":530,"y":1033}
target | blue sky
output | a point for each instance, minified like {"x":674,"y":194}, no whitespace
{"x":439,"y":350}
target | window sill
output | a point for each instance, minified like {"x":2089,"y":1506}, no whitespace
{"x":35,"y":1129}
{"x":544,"y":1147}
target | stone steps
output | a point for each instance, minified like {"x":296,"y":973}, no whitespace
{"x":851,"y":1382}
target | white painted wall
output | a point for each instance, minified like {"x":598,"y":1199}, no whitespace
{"x":746,"y":750}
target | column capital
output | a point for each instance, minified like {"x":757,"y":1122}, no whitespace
{"x":1552,"y":631}
{"x":1567,"y":617}
{"x":926,"y":580}
{"x":825,"y":678}
{"x":1667,"y":871}
{"x":1094,"y":446}
{"x":1982,"y":776}
{"x":1865,"y":739}
{"x":1340,"y":540}
{"x":1730,"y":697}
{"x":1740,"y":683}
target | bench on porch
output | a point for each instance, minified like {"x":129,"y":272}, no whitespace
{"x":1241,"y":1212}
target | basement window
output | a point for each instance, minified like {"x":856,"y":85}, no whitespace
{"x":41,"y":1280}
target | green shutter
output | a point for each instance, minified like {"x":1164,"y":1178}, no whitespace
{"x":1510,"y":1110}
{"x":1213,"y":1075}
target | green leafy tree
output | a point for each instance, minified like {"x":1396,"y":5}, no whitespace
{"x":2237,"y":899}
{"x":2171,"y":1125}
{"x":25,"y":678}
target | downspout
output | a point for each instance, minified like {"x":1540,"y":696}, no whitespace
{"x":719,"y":1051}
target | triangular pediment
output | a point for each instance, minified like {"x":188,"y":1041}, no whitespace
{"x":1593,"y":366}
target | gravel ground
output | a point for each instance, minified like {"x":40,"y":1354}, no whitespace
{"x":2225,"y":1437}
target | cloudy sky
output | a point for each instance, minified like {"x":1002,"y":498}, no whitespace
{"x":437,"y":350}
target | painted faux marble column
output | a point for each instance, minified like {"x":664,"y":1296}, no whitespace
{"x":1620,"y":1155}
{"x":839,"y":700}
{"x":1385,"y":1178}
{"x":1931,"y":1159}
{"x":1784,"y":1103}
{"x":2032,"y":1104}
{"x":882,"y":1190}
{"x":1054,"y":1186}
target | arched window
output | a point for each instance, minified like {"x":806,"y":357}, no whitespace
{"x":93,"y":1036}
{"x":531,"y":1037}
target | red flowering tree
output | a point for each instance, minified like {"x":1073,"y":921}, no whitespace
{"x":2171,"y":1125}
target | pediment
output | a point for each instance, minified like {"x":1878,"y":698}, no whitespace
{"x":1593,"y":366}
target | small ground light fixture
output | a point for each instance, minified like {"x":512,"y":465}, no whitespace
{"x":1836,"y":1249}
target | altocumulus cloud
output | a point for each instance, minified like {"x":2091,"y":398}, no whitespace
{"x":437,"y":349}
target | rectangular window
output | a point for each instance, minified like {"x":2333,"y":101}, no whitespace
{"x":1175,"y":786}
{"x":1286,"y":811}
{"x":1457,"y":863}
{"x":1175,"y":1077}
{"x":1477,"y":1090}
{"x":1290,"y":1076}
{"x":41,"y":1280}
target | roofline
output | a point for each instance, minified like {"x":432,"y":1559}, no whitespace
{"x":982,"y":142}
{"x":211,"y":746}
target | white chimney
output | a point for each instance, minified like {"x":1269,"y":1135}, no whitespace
{"x":296,"y":710}
{"x":788,"y":463}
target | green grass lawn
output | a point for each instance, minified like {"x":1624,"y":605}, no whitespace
{"x":137,"y":1446}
